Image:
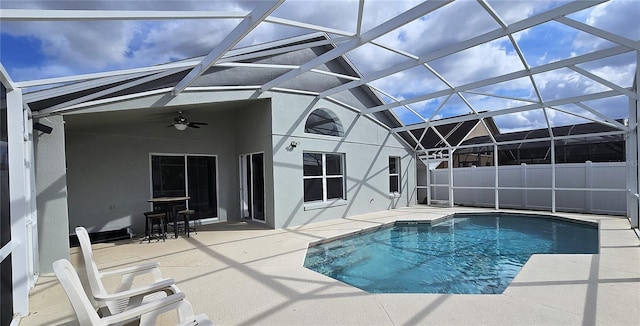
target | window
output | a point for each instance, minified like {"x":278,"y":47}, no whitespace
{"x":168,"y":176}
{"x":394,"y":174}
{"x":323,"y":122}
{"x":323,"y":176}
{"x":187,"y":175}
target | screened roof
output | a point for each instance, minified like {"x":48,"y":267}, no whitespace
{"x":415,"y":66}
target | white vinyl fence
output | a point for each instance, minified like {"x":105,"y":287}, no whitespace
{"x":580,"y":187}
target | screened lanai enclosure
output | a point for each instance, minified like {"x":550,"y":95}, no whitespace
{"x":528,"y":104}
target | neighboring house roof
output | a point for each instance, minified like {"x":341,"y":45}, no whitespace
{"x":454,"y":133}
{"x":523,"y":139}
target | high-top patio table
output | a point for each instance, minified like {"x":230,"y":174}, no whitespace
{"x":166,"y":204}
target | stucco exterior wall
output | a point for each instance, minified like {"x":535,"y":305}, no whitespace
{"x":367,"y":147}
{"x":109,"y":167}
{"x":51,"y":194}
{"x":253,"y":135}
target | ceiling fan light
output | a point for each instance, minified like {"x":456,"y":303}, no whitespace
{"x":180,"y":126}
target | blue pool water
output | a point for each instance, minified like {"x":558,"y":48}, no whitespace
{"x":464,"y":254}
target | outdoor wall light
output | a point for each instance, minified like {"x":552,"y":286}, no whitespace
{"x":42,"y":127}
{"x":294,"y":144}
{"x":180,"y":126}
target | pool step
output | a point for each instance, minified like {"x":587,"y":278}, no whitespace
{"x":320,"y":258}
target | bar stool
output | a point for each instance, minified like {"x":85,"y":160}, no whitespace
{"x":182,"y":216}
{"x":186,"y":213}
{"x":155,"y":219}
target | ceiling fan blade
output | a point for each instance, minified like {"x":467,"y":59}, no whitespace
{"x":182,"y":122}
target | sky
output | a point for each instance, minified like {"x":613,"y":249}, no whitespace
{"x":38,"y":50}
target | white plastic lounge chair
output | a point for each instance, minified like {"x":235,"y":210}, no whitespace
{"x":124,"y":296}
{"x":197,"y":320}
{"x":147,"y":312}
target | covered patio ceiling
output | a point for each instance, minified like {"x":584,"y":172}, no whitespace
{"x":525,"y":65}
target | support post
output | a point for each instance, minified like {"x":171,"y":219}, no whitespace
{"x":20,"y":254}
{"x":496,"y":184}
{"x":553,"y":175}
{"x":525,"y":192}
{"x":588,"y":183}
{"x":450,"y":163}
{"x":632,"y":140}
{"x":428,"y":182}
{"x":634,"y":220}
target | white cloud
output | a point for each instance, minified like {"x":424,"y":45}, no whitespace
{"x":452,"y":23}
{"x":104,"y":45}
{"x":333,"y":14}
{"x":79,"y":45}
{"x":376,"y":12}
{"x":176,"y":39}
{"x":520,"y":121}
{"x":477,"y":63}
{"x":48,"y":71}
{"x":619,"y":16}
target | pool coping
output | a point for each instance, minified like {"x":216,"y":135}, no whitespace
{"x":449,"y":216}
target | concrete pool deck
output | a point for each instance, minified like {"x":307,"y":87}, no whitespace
{"x":243,"y":274}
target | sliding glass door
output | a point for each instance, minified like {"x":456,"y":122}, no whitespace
{"x":252,"y":186}
{"x":181,"y":175}
{"x":202,"y":181}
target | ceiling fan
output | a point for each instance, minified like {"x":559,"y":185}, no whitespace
{"x":181,"y":123}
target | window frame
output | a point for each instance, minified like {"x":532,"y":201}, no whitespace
{"x":395,"y":174}
{"x":324,"y":177}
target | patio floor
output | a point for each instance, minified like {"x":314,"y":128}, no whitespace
{"x":243,"y":274}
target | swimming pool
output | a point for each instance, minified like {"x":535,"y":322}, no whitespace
{"x":462,"y":254}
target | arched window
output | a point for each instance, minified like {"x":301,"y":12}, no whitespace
{"x":323,"y":122}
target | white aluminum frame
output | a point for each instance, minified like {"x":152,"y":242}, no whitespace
{"x":21,"y":180}
{"x":343,"y":41}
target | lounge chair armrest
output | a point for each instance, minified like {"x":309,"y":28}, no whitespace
{"x":127,"y":274}
{"x":162,"y":285}
{"x":156,"y":307}
{"x":146,"y":267}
